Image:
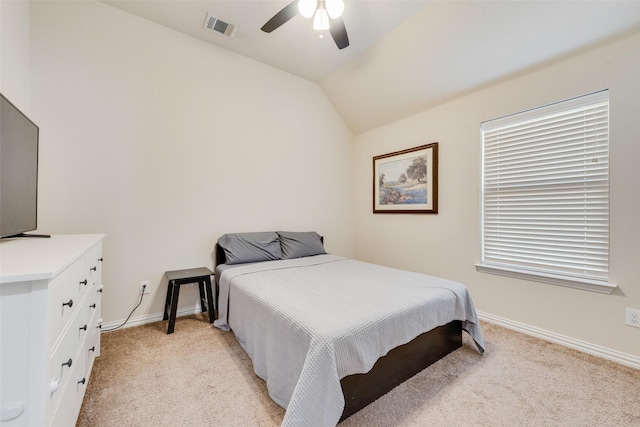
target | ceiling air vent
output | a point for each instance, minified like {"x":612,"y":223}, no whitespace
{"x":215,"y":25}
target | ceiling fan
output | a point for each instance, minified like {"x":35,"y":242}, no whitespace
{"x":326,"y":16}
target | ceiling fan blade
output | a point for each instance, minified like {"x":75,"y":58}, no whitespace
{"x":339,"y":33}
{"x":288,"y":12}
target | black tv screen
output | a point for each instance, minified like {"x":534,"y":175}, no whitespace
{"x":18,"y":171}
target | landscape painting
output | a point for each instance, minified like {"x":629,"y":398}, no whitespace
{"x":406,"y":181}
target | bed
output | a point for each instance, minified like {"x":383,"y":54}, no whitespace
{"x":329,"y":334}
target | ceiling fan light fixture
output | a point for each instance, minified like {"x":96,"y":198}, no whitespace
{"x":307,"y":7}
{"x":321,"y":19}
{"x":334,"y":8}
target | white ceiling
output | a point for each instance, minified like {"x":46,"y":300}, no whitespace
{"x":294,"y":47}
{"x":404,"y":55}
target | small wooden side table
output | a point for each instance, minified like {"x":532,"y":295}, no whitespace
{"x":176,"y":278}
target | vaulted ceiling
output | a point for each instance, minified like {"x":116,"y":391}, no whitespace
{"x":404,"y":55}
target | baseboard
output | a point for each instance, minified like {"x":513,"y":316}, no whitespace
{"x":595,"y":350}
{"x":149,"y":318}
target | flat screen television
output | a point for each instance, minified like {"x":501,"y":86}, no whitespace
{"x":18,"y":171}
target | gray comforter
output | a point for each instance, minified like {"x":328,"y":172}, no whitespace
{"x":308,"y":322}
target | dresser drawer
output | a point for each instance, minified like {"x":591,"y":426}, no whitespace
{"x":94,"y":265}
{"x":94,"y":296}
{"x":68,"y":352}
{"x":92,"y":344}
{"x":65,"y":408}
{"x":67,"y":291}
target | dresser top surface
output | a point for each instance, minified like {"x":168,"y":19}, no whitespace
{"x":26,"y":259}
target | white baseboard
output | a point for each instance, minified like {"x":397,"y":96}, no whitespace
{"x":149,"y":318}
{"x":595,"y":350}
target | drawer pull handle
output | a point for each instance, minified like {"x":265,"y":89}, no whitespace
{"x":93,"y":348}
{"x":100,"y":259}
{"x":84,"y":328}
{"x":82,"y":381}
{"x":84,"y":282}
{"x":70,"y":303}
{"x":92,"y":306}
{"x":100,"y":288}
{"x":94,"y":269}
{"x":55,"y":385}
{"x":68,"y":363}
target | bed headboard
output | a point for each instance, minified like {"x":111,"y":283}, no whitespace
{"x":219,"y":256}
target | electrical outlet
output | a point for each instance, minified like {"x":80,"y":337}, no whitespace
{"x":145,"y":287}
{"x":633,"y":317}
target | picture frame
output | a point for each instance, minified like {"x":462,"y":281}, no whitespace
{"x":406,"y":181}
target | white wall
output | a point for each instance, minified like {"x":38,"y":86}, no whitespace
{"x":448,"y":244}
{"x":164,"y":143}
{"x":15,"y":83}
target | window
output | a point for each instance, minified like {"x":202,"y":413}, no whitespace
{"x":545,"y":194}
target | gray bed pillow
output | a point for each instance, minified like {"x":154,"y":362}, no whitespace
{"x":300,"y":244}
{"x":240,"y":248}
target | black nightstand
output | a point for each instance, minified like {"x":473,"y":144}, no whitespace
{"x":176,"y":278}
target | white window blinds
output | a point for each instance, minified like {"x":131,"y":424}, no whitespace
{"x":545,"y":189}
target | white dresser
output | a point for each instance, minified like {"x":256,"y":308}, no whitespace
{"x":50,"y":292}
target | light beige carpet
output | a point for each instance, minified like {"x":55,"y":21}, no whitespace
{"x":200,"y":376}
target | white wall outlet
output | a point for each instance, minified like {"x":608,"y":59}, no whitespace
{"x":145,"y":287}
{"x":633,"y":317}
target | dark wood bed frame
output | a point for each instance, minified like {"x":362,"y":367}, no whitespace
{"x":397,"y":366}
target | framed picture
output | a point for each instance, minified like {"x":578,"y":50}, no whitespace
{"x":406,"y":181}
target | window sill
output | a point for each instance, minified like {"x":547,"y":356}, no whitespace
{"x":569,"y":282}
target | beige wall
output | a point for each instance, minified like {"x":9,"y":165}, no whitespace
{"x":164,"y":143}
{"x":15,"y":81}
{"x":448,"y":244}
